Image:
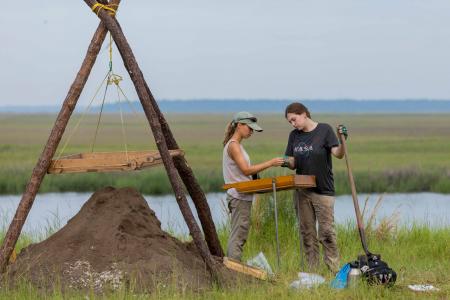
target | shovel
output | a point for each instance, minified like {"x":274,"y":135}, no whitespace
{"x":359,"y":221}
{"x":372,"y":267}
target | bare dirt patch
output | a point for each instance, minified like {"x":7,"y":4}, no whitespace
{"x":114,"y":241}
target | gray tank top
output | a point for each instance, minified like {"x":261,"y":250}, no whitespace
{"x":232,"y":173}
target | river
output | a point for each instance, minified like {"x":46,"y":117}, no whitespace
{"x":55,"y":209}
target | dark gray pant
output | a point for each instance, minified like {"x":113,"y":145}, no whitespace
{"x":240,"y":225}
{"x":316,"y":208}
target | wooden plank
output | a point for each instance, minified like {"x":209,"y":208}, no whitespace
{"x":264,"y":185}
{"x":245,"y":269}
{"x":108,"y":161}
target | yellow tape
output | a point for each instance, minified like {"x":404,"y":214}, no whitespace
{"x":109,"y":7}
{"x":13,"y":257}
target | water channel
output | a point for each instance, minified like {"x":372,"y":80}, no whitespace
{"x":55,"y":209}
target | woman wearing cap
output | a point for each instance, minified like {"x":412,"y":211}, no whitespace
{"x":236,"y":168}
{"x":311,"y":145}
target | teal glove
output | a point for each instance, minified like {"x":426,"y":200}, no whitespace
{"x":343,"y":130}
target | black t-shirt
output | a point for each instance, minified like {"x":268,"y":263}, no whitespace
{"x":312,"y":152}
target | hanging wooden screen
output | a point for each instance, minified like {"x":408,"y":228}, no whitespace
{"x":108,"y":161}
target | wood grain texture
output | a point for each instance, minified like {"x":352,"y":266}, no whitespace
{"x":108,"y":161}
{"x":244,"y":269}
{"x":264,"y":185}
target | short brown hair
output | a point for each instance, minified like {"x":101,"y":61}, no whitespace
{"x":296,"y":108}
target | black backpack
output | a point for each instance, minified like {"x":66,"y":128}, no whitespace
{"x":376,"y":271}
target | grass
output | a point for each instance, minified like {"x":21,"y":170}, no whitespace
{"x":389,"y":153}
{"x":419,"y":254}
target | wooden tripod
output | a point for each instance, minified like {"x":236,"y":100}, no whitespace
{"x":176,"y":168}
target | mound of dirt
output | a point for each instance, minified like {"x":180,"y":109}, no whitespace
{"x":114,"y":241}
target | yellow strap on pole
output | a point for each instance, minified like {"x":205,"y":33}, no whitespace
{"x":98,"y":6}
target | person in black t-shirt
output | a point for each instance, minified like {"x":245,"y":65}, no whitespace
{"x":309,"y":151}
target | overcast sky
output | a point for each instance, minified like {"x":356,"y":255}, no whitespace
{"x":384,"y":49}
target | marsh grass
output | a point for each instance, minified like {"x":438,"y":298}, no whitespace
{"x":391,"y":153}
{"x":386,"y":227}
{"x":155,"y":181}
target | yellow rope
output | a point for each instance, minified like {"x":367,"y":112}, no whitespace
{"x":109,"y":7}
{"x":114,"y":78}
{"x":109,"y":79}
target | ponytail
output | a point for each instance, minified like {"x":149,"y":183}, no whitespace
{"x":229,"y":131}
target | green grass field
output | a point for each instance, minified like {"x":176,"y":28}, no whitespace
{"x":389,"y":153}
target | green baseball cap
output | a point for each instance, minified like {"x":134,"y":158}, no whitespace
{"x":245,"y":117}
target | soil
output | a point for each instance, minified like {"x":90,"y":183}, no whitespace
{"x":114,"y":241}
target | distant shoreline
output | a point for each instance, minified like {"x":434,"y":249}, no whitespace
{"x":342,"y":106}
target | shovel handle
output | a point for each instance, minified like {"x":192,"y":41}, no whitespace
{"x":359,"y":221}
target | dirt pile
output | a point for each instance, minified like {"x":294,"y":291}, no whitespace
{"x":114,"y":241}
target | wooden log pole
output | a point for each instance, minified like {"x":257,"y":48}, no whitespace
{"x":138,"y":80}
{"x":201,"y":205}
{"x":192,"y":185}
{"x":50,"y":147}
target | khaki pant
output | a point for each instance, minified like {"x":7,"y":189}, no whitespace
{"x":316,"y":208}
{"x":240,"y":224}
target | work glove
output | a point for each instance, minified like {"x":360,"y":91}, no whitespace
{"x":341,"y":129}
